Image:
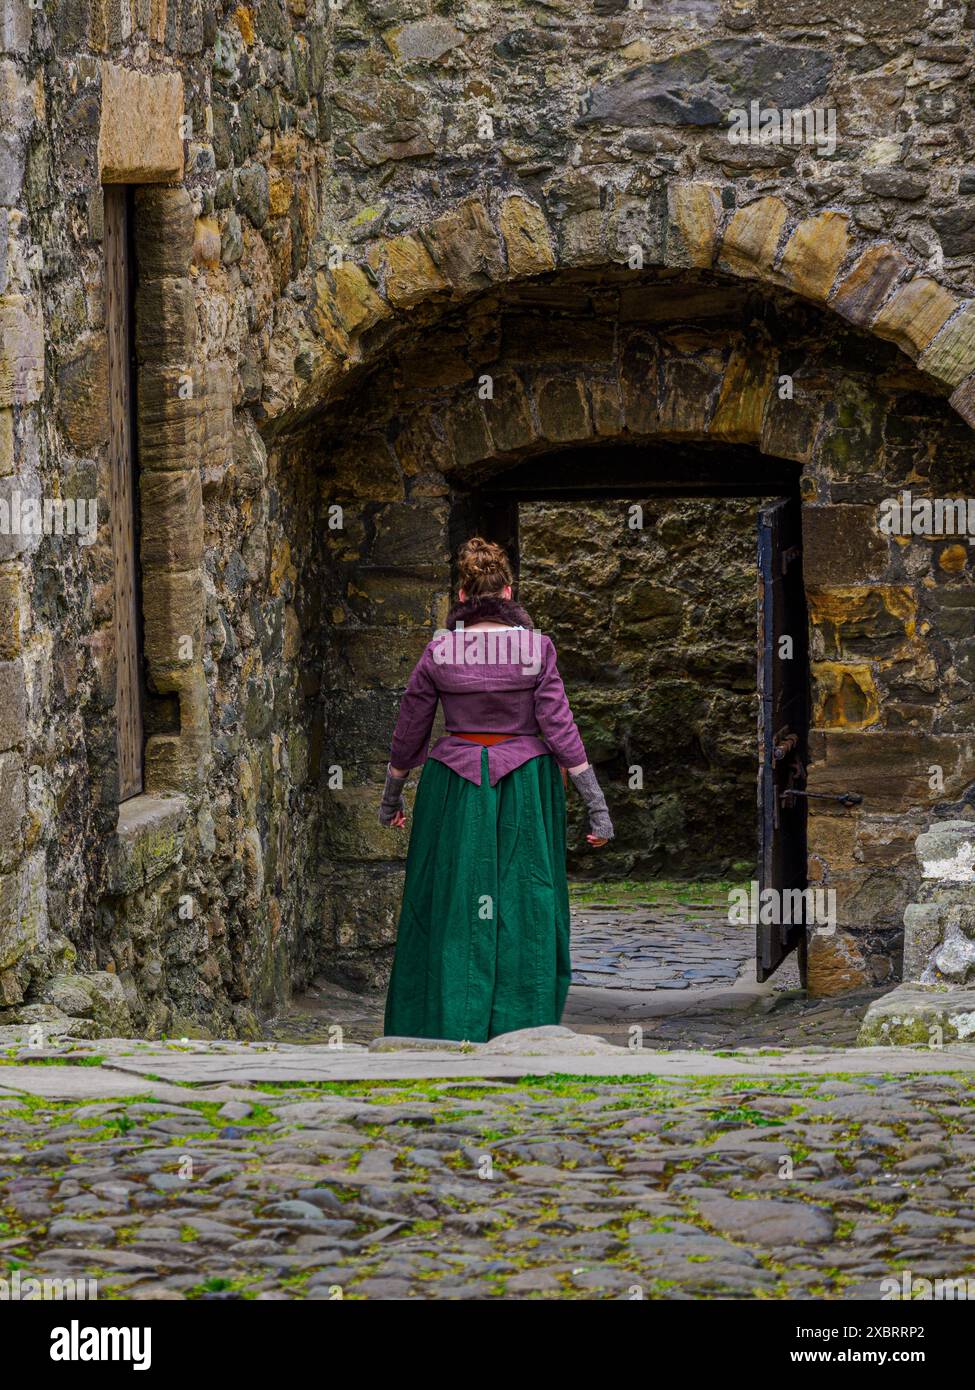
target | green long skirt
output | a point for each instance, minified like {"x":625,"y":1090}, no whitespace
{"x":483,"y":942}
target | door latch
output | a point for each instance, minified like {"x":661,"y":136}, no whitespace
{"x":844,"y":798}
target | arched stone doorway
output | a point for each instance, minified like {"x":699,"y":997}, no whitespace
{"x":666,"y":374}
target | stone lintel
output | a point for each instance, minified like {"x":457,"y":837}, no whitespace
{"x":140,"y":137}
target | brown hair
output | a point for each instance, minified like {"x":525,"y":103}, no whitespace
{"x":483,"y":568}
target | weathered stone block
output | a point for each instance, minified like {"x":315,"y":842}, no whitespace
{"x":914,"y":314}
{"x":165,"y":320}
{"x":423,"y":40}
{"x":13,"y":704}
{"x":584,"y":239}
{"x":951,"y":355}
{"x":752,"y":237}
{"x":861,"y":292}
{"x":21,"y":351}
{"x":679,"y":404}
{"x":368,"y":471}
{"x":465,"y":247}
{"x":814,"y":253}
{"x":172,"y":520}
{"x":140,"y":135}
{"x":23,"y":910}
{"x":891,"y":769}
{"x":922,"y":932}
{"x":148,"y":841}
{"x":914,"y":1016}
{"x":377,"y":657}
{"x":527,"y":241}
{"x":836,"y":963}
{"x":694,"y":211}
{"x":170,"y":418}
{"x":844,"y":695}
{"x":946,"y":852}
{"x":15,"y":27}
{"x":351,"y":829}
{"x":163,"y":232}
{"x":697,"y":86}
{"x":649,"y":611}
{"x":954,"y":612}
{"x":173,"y":607}
{"x":873,"y":621}
{"x":745,"y":391}
{"x":411,"y":275}
{"x":962,"y":399}
{"x":7,"y":455}
{"x":83,"y":391}
{"x":361,"y":908}
{"x":361,"y":728}
{"x":607,"y":406}
{"x":218,"y":422}
{"x":410,"y":533}
{"x":791,"y":428}
{"x":562,"y":408}
{"x":639,"y":366}
{"x":12,"y":809}
{"x":174,"y":763}
{"x":509,"y":415}
{"x":19,"y":106}
{"x":13,"y":612}
{"x":842,"y":545}
{"x":392,"y":599}
{"x":347,"y":296}
{"x":98,"y":997}
{"x":831,"y":840}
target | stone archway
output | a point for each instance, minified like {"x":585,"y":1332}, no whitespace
{"x":677,"y":359}
{"x":495,"y":239}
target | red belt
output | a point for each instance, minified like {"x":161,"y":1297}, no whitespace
{"x":488,"y":740}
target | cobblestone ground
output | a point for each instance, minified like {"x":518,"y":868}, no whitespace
{"x":551,"y":1189}
{"x":649,"y":947}
{"x":662,"y":959}
{"x":548,"y":1187}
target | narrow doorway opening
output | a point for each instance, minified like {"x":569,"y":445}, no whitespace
{"x":671,"y":584}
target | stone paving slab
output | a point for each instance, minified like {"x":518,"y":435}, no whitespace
{"x":67,"y":1082}
{"x":324,"y":1064}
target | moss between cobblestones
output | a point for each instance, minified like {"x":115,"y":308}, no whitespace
{"x":658,"y":892}
{"x":87,"y":1059}
{"x":658,"y":1094}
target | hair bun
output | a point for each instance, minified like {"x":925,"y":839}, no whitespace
{"x":483,"y":568}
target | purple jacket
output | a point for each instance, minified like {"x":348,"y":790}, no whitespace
{"x":500,"y":681}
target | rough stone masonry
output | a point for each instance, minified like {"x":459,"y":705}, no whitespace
{"x":345,"y":216}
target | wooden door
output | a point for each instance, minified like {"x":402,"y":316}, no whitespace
{"x":118,"y":318}
{"x":783,"y":720}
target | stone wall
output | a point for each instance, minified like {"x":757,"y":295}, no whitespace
{"x":655,"y":627}
{"x":351,"y":213}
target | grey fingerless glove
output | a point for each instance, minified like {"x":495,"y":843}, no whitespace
{"x":392,"y":801}
{"x":589,"y":789}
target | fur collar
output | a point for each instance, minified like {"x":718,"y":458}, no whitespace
{"x":488,"y":609}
